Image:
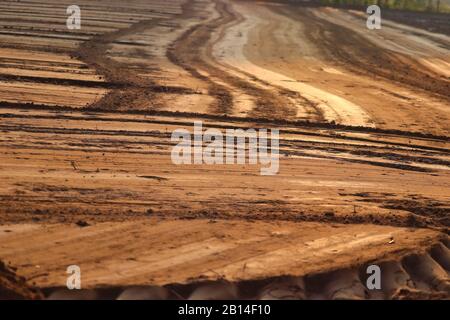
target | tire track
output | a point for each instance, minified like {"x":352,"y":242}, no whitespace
{"x":332,"y":107}
{"x":356,"y":53}
{"x":192,"y":51}
{"x":134,"y":90}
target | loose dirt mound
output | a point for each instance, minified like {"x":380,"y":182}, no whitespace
{"x":413,"y":276}
{"x":14,"y":287}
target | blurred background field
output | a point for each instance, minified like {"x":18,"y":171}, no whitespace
{"x":414,"y":5}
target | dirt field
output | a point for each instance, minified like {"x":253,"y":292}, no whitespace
{"x":86,"y":176}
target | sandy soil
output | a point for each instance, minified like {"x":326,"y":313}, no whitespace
{"x":86,"y":118}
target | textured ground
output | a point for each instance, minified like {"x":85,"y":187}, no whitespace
{"x":86,"y":176}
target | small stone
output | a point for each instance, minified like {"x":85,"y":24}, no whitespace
{"x":82,"y":223}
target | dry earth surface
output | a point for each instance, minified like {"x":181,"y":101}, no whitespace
{"x":86,"y":176}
